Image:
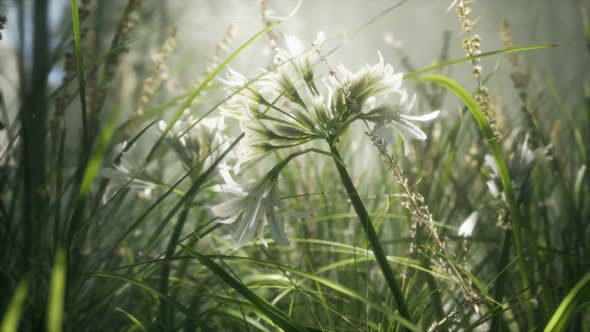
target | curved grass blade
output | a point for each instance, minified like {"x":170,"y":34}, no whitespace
{"x":331,"y":285}
{"x":237,"y":315}
{"x":269,"y":310}
{"x":90,"y":174}
{"x":488,"y":133}
{"x":132,"y":318}
{"x":156,"y":293}
{"x":194,"y":188}
{"x":469,"y":58}
{"x":564,"y":312}
{"x":13,"y":313}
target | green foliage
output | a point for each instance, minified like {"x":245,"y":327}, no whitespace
{"x":126,"y":236}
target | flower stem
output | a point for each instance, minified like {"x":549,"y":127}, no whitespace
{"x":372,"y":237}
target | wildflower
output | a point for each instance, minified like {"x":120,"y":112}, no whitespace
{"x":287,"y":107}
{"x":122,"y":174}
{"x":397,"y":118}
{"x":245,"y":96}
{"x":371,"y":81}
{"x":307,"y":112}
{"x":252,"y":209}
{"x":196,"y":139}
{"x":468,"y":225}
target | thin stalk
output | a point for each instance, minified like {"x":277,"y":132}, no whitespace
{"x":499,"y":287}
{"x":166,"y":314}
{"x":81,"y":80}
{"x":372,"y":236}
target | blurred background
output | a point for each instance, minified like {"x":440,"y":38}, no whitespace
{"x":417,"y":28}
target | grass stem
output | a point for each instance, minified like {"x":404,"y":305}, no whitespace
{"x":372,"y":236}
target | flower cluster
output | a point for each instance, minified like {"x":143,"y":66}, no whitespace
{"x":292,"y":104}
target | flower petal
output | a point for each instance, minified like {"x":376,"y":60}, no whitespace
{"x":423,"y":117}
{"x":468,"y":225}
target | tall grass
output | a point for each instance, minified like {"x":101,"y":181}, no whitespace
{"x":111,"y":179}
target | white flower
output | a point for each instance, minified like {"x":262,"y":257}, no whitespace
{"x":259,"y":138}
{"x":122,"y":174}
{"x":236,"y":82}
{"x":293,"y":76}
{"x":252,"y":209}
{"x":391,"y":116}
{"x":371,"y":81}
{"x":290,"y":108}
{"x":468,"y":225}
{"x":197,"y":139}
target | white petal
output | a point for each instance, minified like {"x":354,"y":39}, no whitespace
{"x":423,"y":117}
{"x":248,"y":225}
{"x":489,"y":160}
{"x":230,"y":207}
{"x":411,"y":129}
{"x":467,"y":226}
{"x":162,"y":125}
{"x":319,"y":39}
{"x":493,"y":188}
{"x":294,"y":45}
{"x":371,"y":102}
{"x":276,"y":228}
{"x":406,"y":142}
{"x":229,"y":220}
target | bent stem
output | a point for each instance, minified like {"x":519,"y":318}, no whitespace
{"x":372,"y":237}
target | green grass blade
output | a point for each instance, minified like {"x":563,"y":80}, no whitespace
{"x":13,"y":313}
{"x":57,"y":290}
{"x":372,"y":236}
{"x":194,"y":188}
{"x":80,"y":73}
{"x":564,"y":312}
{"x":239,"y":317}
{"x":157,"y":294}
{"x":488,"y":133}
{"x":90,"y":174}
{"x":469,"y":58}
{"x":132,"y":318}
{"x":386,"y":310}
{"x":269,"y":310}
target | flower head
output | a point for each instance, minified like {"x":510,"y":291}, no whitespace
{"x":288,"y":107}
{"x":197,"y":139}
{"x":252,"y":209}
